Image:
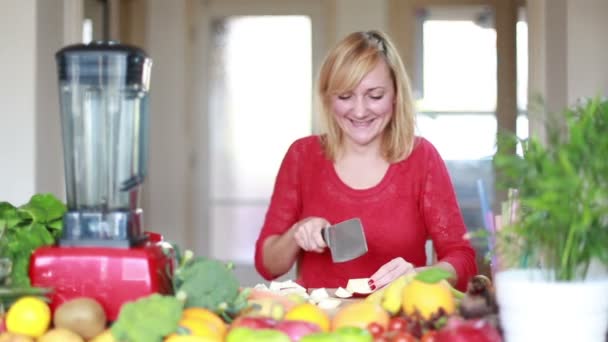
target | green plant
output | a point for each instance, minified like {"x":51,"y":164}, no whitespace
{"x":562,"y":222}
{"x":27,"y":227}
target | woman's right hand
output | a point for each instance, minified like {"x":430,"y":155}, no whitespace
{"x":307,"y":234}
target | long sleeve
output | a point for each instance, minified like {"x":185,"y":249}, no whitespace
{"x":285,"y":205}
{"x":444,"y":220}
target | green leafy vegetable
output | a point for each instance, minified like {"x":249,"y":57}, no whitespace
{"x":210,"y":284}
{"x":23,"y":229}
{"x":433,"y":275}
{"x":147,"y":319}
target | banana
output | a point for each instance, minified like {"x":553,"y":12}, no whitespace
{"x":392,"y":299}
{"x":376,"y":296}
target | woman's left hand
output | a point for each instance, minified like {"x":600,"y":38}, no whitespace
{"x":389,"y":272}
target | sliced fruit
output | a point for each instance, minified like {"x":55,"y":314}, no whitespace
{"x":359,"y":285}
{"x":329,"y":303}
{"x":318,"y":294}
{"x":343,"y":293}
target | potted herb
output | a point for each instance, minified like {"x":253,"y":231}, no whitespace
{"x":560,"y":229}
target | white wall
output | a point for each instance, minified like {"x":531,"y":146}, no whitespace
{"x":165,"y":189}
{"x":359,"y":15}
{"x":17,"y":100}
{"x":568,"y":54}
{"x":588,"y":56}
{"x":30,"y":138}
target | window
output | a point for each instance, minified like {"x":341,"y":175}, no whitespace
{"x":261,"y":82}
{"x":457,"y":98}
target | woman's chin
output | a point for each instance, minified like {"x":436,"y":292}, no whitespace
{"x":362,"y":139}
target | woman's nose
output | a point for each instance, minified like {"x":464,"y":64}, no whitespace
{"x":360,"y":108}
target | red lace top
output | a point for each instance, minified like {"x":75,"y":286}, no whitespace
{"x":415,"y":201}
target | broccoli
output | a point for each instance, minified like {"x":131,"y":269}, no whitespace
{"x":209,"y":284}
{"x":148,"y":319}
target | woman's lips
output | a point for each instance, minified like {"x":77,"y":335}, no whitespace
{"x":361,"y":123}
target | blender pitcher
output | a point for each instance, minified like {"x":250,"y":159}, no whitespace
{"x":103,"y":90}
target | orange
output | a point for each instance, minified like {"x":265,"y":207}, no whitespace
{"x":311,"y":313}
{"x":206,"y":316}
{"x":30,"y":316}
{"x":427,"y":298}
{"x":360,"y":314}
{"x":200,"y":328}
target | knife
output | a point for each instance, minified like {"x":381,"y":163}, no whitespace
{"x":346,"y":240}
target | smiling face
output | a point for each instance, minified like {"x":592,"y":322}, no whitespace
{"x":364,"y":112}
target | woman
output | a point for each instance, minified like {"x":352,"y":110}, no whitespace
{"x":367,"y":164}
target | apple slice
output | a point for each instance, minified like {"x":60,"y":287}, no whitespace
{"x":359,"y":285}
{"x":343,"y":293}
{"x":329,"y":303}
{"x":318,"y":295}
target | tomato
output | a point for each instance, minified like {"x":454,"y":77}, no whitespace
{"x":376,"y":329}
{"x":381,"y":339}
{"x":428,"y":336}
{"x":398,"y":324}
{"x":403,"y":337}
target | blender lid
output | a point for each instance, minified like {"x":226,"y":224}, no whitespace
{"x":93,"y":62}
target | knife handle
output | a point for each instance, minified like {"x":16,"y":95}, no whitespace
{"x":325,"y":235}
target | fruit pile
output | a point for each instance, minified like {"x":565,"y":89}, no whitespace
{"x":209,"y":306}
{"x":29,"y":319}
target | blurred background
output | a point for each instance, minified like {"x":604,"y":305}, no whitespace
{"x":232,"y":88}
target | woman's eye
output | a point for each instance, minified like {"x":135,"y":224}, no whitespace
{"x":344,"y":96}
{"x":377,"y":97}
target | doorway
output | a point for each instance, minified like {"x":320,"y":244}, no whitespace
{"x":257,"y":80}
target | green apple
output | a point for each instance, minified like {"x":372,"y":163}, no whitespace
{"x":271,"y":335}
{"x":321,"y":337}
{"x":239,"y":334}
{"x":242,"y":334}
{"x":354,"y":334}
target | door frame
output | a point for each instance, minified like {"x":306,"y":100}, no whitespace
{"x":203,"y":13}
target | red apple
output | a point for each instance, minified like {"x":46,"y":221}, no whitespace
{"x":297,"y":329}
{"x":254,"y":322}
{"x":403,"y":336}
{"x":397,"y":324}
{"x":477,"y":330}
{"x":376,"y":329}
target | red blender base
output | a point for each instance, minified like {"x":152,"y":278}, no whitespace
{"x":112,"y":276}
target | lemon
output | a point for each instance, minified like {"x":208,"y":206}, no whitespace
{"x":30,"y":316}
{"x":308,"y":312}
{"x":427,"y":298}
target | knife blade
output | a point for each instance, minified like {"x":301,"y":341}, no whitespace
{"x":346,"y":240}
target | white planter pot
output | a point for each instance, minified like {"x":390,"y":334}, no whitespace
{"x":534,"y":309}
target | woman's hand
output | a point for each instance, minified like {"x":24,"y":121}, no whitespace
{"x":389,"y":272}
{"x":307,"y":234}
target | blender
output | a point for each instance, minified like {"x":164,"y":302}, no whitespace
{"x":104,"y":252}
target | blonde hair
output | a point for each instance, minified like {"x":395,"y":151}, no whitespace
{"x":343,"y":69}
